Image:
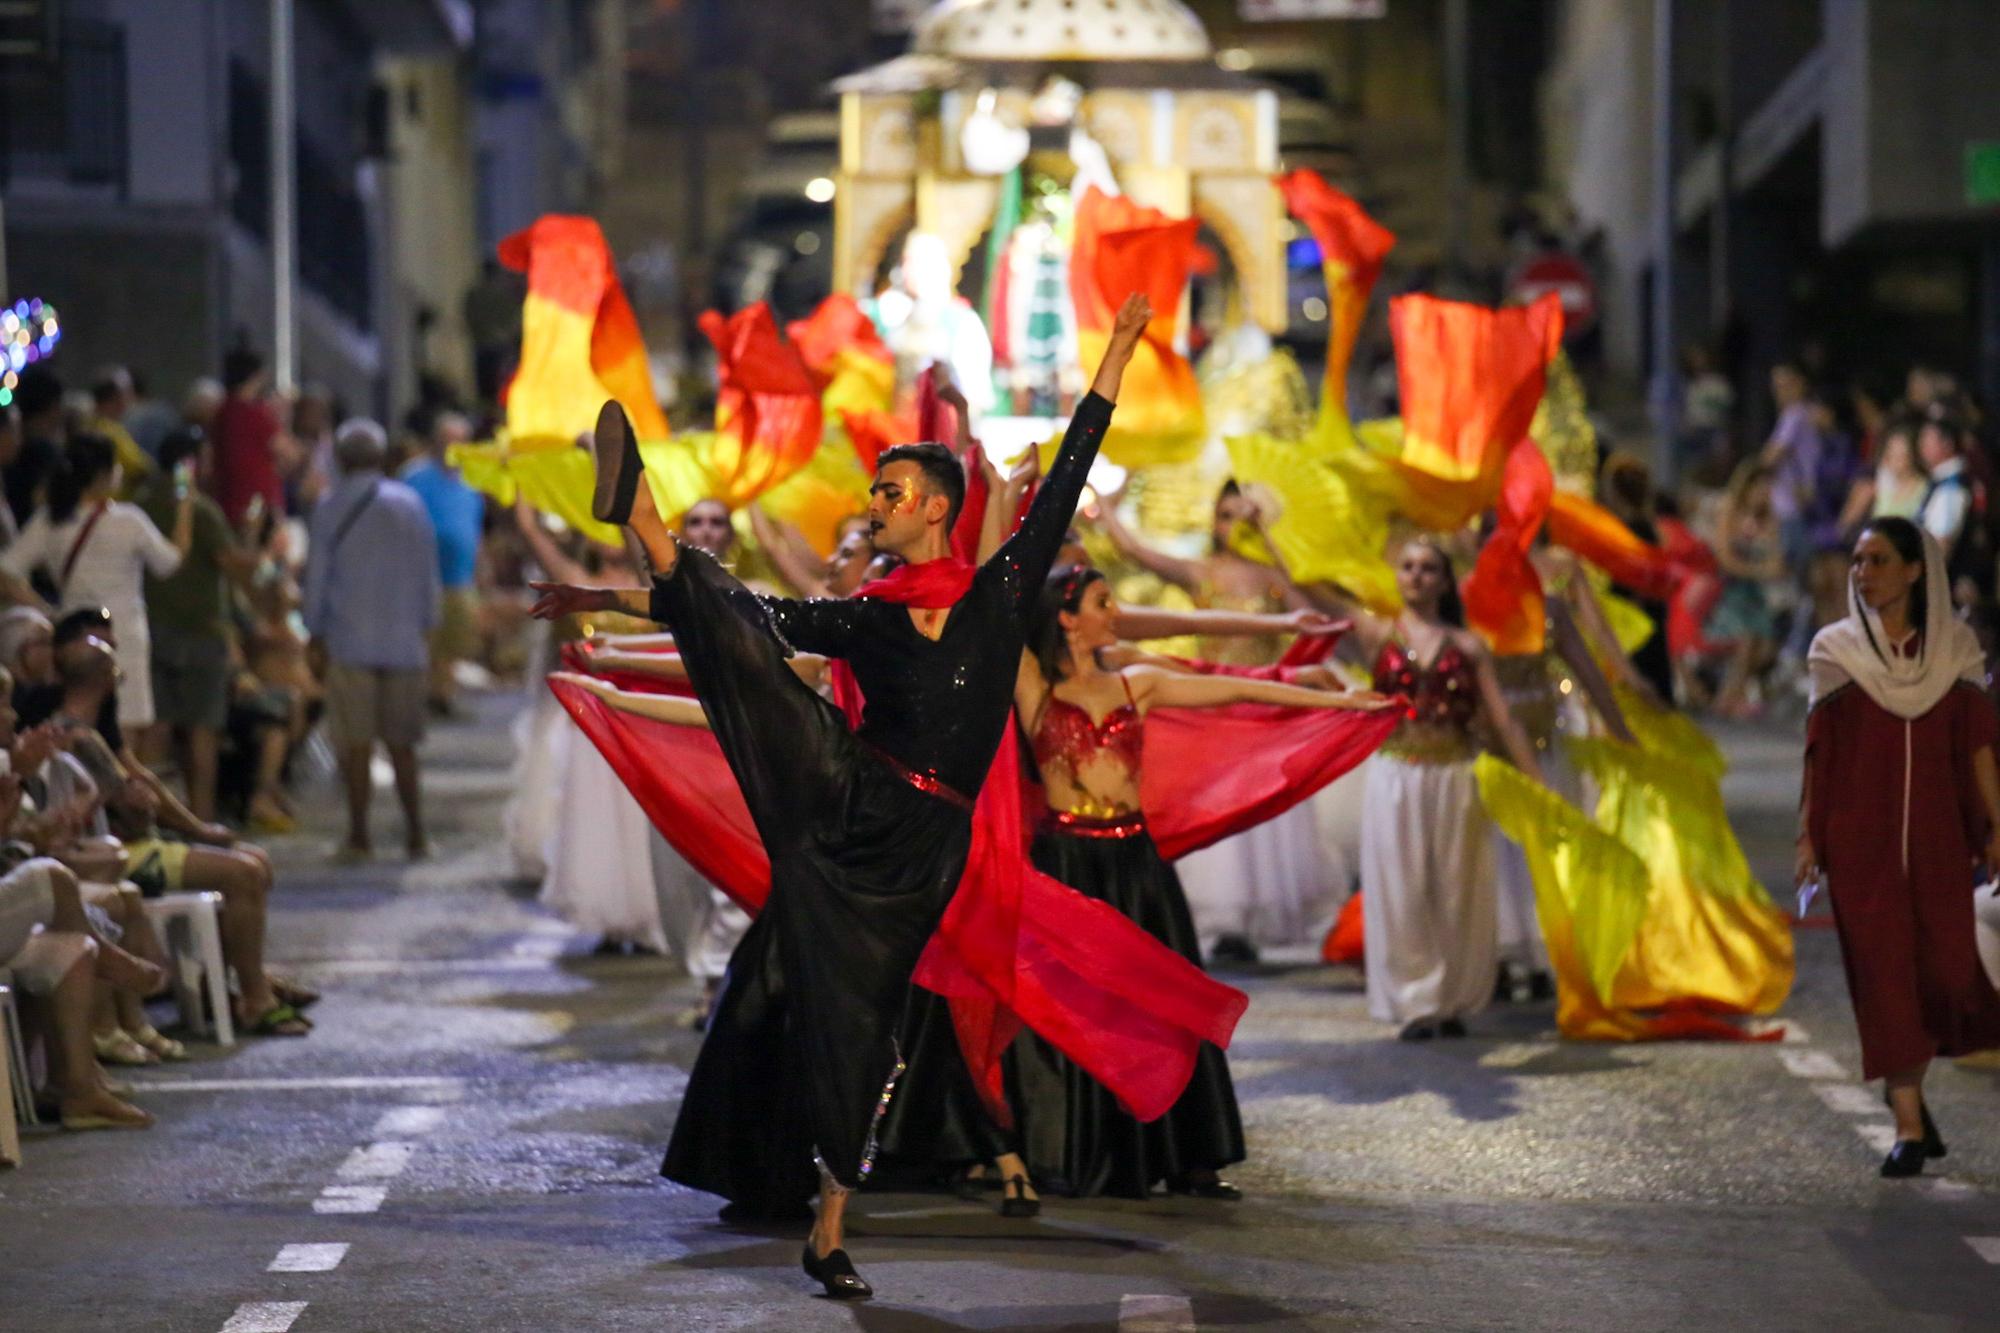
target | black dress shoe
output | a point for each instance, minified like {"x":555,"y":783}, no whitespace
{"x":836,"y":1273}
{"x":1420,"y":1030}
{"x":1452,"y":1027}
{"x":618,"y":466}
{"x":1541,"y":986}
{"x":1933,"y":1141}
{"x":1206,"y":1189}
{"x":1016,"y":1202}
{"x":1905,"y":1159}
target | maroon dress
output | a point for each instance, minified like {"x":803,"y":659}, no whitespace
{"x":1897,"y":824}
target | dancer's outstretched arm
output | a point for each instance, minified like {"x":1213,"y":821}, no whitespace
{"x":660,"y":707}
{"x":1157,"y":688}
{"x":1152,"y":622}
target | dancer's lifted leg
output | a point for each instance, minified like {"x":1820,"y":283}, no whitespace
{"x":867,"y":830}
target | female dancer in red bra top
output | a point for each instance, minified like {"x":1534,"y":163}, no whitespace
{"x":1427,"y":867}
{"x":1087,"y":727}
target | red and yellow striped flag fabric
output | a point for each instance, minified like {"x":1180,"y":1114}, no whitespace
{"x":1121,"y":247}
{"x":580,"y":342}
{"x":1503,"y":594}
{"x":1470,"y":378}
{"x":1352,"y":246}
{"x":767,"y":408}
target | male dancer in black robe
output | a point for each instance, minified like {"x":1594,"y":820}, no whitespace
{"x":867,"y":831}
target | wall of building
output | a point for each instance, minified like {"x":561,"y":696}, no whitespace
{"x":1597,"y":109}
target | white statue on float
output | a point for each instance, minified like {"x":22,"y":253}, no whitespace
{"x":924,"y":319}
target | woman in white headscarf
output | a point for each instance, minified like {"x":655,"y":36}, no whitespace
{"x":1902,"y":797}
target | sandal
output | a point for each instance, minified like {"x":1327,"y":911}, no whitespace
{"x":163,"y":1046}
{"x":119,"y":1047}
{"x":297,"y":996}
{"x":280,"y":1020}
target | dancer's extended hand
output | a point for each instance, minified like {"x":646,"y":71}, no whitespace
{"x":603,"y":689}
{"x":1126,"y":330}
{"x":553,"y":601}
{"x":1364,"y":701}
{"x":1131,"y":322}
{"x":1316,"y":622}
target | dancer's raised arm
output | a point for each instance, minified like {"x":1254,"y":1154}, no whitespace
{"x":1024,"y":559}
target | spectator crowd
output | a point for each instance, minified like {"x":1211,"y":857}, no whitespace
{"x":1762,"y":528}
{"x":189,"y":597}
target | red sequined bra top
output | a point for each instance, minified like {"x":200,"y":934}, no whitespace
{"x":1443,"y":694}
{"x":1067,"y":738}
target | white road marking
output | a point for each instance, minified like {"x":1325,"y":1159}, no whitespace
{"x":404,"y":1122}
{"x":318,"y":1258}
{"x":1795,"y":1032}
{"x":1944,"y":1189}
{"x":1812,"y":1064}
{"x":1876,"y":1135}
{"x":150,"y":1085}
{"x":1849,"y":1099}
{"x":1155,"y":1314}
{"x":264,"y":1317}
{"x":350,"y":1199}
{"x":377,"y":1161}
{"x":1986,"y":1247}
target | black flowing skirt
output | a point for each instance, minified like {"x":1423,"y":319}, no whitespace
{"x":802,"y":1054}
{"x":1073,"y":1133}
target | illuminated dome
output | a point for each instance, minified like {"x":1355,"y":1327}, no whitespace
{"x":1125,"y":30}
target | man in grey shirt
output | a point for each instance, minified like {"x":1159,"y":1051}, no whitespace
{"x":371,"y":602}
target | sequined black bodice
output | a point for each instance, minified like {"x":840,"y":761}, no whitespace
{"x":937,"y":706}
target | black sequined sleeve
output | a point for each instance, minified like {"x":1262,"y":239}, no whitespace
{"x":1023,"y":562}
{"x":824,"y":625}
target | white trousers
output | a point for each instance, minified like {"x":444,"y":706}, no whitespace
{"x":1270,"y":883}
{"x":1429,"y":905}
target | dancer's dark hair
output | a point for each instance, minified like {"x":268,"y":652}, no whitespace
{"x":1908,"y":541}
{"x":1451,"y":607}
{"x":942,"y":471}
{"x":1062,"y":591}
{"x":85,"y":459}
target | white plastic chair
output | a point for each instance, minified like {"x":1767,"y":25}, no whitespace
{"x":191,"y":924}
{"x":20,"y":1081}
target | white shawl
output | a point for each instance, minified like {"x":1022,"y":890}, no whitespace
{"x":1856,"y":650}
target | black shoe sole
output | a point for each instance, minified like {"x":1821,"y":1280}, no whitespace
{"x":618,"y":466}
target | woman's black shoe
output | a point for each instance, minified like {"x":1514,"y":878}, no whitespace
{"x":1933,"y":1141}
{"x":1452,"y":1027}
{"x":1905,"y":1159}
{"x":618,"y":466}
{"x":1206,"y":1189}
{"x":1016,"y":1203}
{"x":1420,"y":1030}
{"x":836,"y":1273}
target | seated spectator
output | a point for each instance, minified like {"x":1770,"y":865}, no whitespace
{"x":135,"y":803}
{"x":191,"y":648}
{"x":57,"y":953}
{"x":96,"y":551}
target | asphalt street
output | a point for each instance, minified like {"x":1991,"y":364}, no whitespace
{"x":469,"y":1141}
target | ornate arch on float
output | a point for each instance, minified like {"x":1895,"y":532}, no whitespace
{"x":1182,"y":134}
